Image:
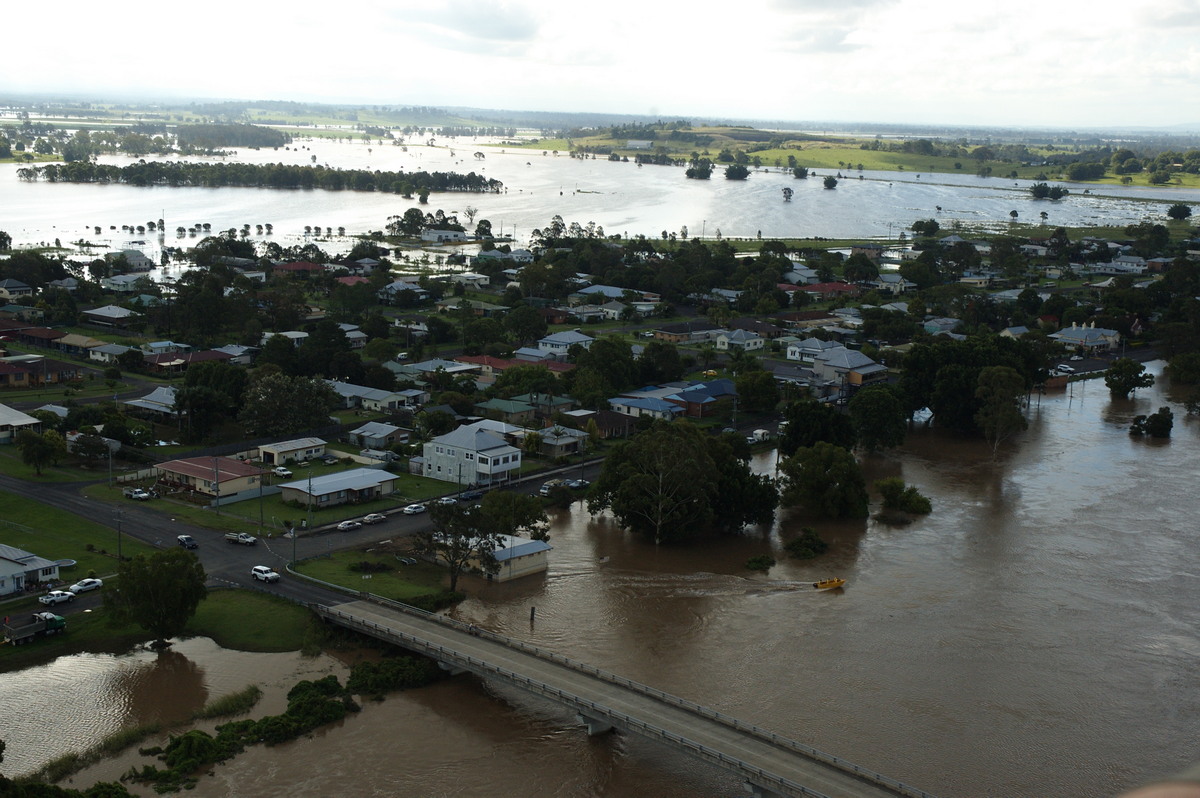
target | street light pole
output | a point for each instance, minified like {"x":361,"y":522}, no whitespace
{"x":119,"y":557}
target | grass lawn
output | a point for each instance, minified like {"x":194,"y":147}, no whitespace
{"x":248,"y":620}
{"x":86,"y":631}
{"x":11,"y":464}
{"x":244,"y":516}
{"x":59,"y":535}
{"x":400,"y":582}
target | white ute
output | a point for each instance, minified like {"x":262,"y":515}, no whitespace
{"x":263,"y":573}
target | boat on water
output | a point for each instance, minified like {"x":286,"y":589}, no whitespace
{"x":828,"y":584}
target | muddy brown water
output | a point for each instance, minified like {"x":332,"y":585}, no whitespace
{"x":1034,"y":636}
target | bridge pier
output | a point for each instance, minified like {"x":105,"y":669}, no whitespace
{"x":453,"y":670}
{"x":595,"y":726}
{"x":759,"y":792}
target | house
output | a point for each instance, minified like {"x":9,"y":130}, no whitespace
{"x":360,"y":396}
{"x":13,"y":421}
{"x":297,"y":269}
{"x":893,"y":282}
{"x":297,"y":337}
{"x":517,"y":557}
{"x":241,"y":355}
{"x":687,"y":332}
{"x":11,"y":289}
{"x":68,"y":284}
{"x":138,"y":261}
{"x":160,"y":402}
{"x":402,"y":292}
{"x":588,"y":314}
{"x":507,"y":410}
{"x":444,"y":236}
{"x":473,"y":454}
{"x":848,"y":368}
{"x":1014,"y":332}
{"x":941,"y":324}
{"x":547,"y":404}
{"x":740,"y":339}
{"x":808,"y":349}
{"x":827,"y":291}
{"x":354,"y":486}
{"x":45,"y":371}
{"x":702,"y":399}
{"x":377,"y":435}
{"x":13,"y":375}
{"x":1088,"y":338}
{"x":473,"y":306}
{"x":111,"y":316}
{"x":107,"y":353}
{"x":638,"y":406}
{"x":560,"y":342}
{"x":299,"y":450}
{"x":560,"y":441}
{"x":21,"y":570}
{"x":219,"y":477}
{"x":608,"y":423}
{"x":22,"y":312}
{"x":125,"y":283}
{"x":765,"y":329}
{"x":76,"y":345}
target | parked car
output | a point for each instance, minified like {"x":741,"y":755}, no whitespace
{"x":263,"y":573}
{"x":329,"y":459}
{"x":447,"y":500}
{"x":188,"y":542}
{"x":407,"y":560}
{"x":470,"y":495}
{"x":578,"y":484}
{"x":137,"y":494}
{"x":413,"y":509}
{"x":84,"y":585}
{"x":1075,"y":357}
{"x":347,"y":526}
{"x":374,"y":518}
{"x":241,"y":538}
{"x":1063,"y":368}
{"x":57,"y":597}
{"x":280,"y":471}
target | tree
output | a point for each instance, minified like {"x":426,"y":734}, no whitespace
{"x":758,"y":391}
{"x":277,"y":404}
{"x":1156,"y":425}
{"x":1126,"y":375}
{"x":736,"y":171}
{"x":656,"y":484}
{"x":40,"y":449}
{"x":508,"y":513}
{"x":830,"y":182}
{"x":825,"y":479}
{"x":524,"y":324}
{"x":5,"y":240}
{"x":459,"y":539}
{"x":897,"y":497}
{"x":809,"y":422}
{"x":878,"y":418}
{"x":159,"y":592}
{"x":1000,"y":390}
{"x":1178,"y":211}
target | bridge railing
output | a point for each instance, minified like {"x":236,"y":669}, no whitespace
{"x":760,"y":777}
{"x":691,"y":706}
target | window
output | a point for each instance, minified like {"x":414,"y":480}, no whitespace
{"x":469,"y":456}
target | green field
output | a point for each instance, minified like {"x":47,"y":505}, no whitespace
{"x":59,"y":535}
{"x":400,"y":582}
{"x":249,"y":620}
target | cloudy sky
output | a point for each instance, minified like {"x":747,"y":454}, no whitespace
{"x":1062,"y":63}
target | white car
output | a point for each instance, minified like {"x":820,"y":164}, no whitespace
{"x":374,"y":518}
{"x":346,"y":526}
{"x":263,"y":573}
{"x":447,"y":500}
{"x":413,"y":509}
{"x":57,"y":597}
{"x":84,"y":585}
{"x":280,"y":471}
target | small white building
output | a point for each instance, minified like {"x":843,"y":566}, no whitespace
{"x":519,"y":557}
{"x":299,"y":450}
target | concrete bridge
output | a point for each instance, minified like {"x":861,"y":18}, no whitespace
{"x":770,"y":764}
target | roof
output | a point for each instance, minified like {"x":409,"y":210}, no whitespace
{"x":647,"y":403}
{"x":482,"y":436}
{"x":111,"y":312}
{"x":297,"y":443}
{"x":375,"y":429}
{"x":354,"y":479}
{"x":11,"y":417}
{"x":223,"y":468}
{"x":567,"y":337}
{"x":24,"y":558}
{"x":161,"y":399}
{"x":511,"y":547}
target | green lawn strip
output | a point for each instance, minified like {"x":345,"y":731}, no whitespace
{"x":59,"y":535}
{"x":11,"y":465}
{"x":248,"y":620}
{"x":86,"y":632}
{"x":401,"y":582}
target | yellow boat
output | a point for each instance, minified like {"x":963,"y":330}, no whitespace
{"x":829,"y":584}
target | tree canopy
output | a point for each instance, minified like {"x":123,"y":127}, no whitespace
{"x":1126,"y":375}
{"x":825,"y":479}
{"x":159,"y":592}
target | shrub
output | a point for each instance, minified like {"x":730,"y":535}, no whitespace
{"x":763,"y":562}
{"x":897,"y":497}
{"x":807,"y":546}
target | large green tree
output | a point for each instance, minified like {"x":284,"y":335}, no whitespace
{"x":276,"y":404}
{"x":809,"y":421}
{"x":878,"y":417}
{"x":1000,"y":391}
{"x":1126,"y":375}
{"x":459,"y":538}
{"x":825,"y":479}
{"x":509,"y":513}
{"x":159,"y":592}
{"x":40,"y":449}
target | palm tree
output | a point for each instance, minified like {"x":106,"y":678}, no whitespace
{"x":1013,"y":215}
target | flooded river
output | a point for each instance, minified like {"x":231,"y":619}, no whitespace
{"x":1034,"y":636}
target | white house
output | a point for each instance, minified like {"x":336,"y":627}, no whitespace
{"x":560,"y":342}
{"x":299,"y":449}
{"x":519,"y":557}
{"x":13,"y":421}
{"x":19,"y":568}
{"x":473,"y":454}
{"x":740,"y":339}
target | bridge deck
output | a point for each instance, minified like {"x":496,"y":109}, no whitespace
{"x":764,"y":759}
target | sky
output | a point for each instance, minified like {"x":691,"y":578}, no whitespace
{"x":1054,"y":63}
